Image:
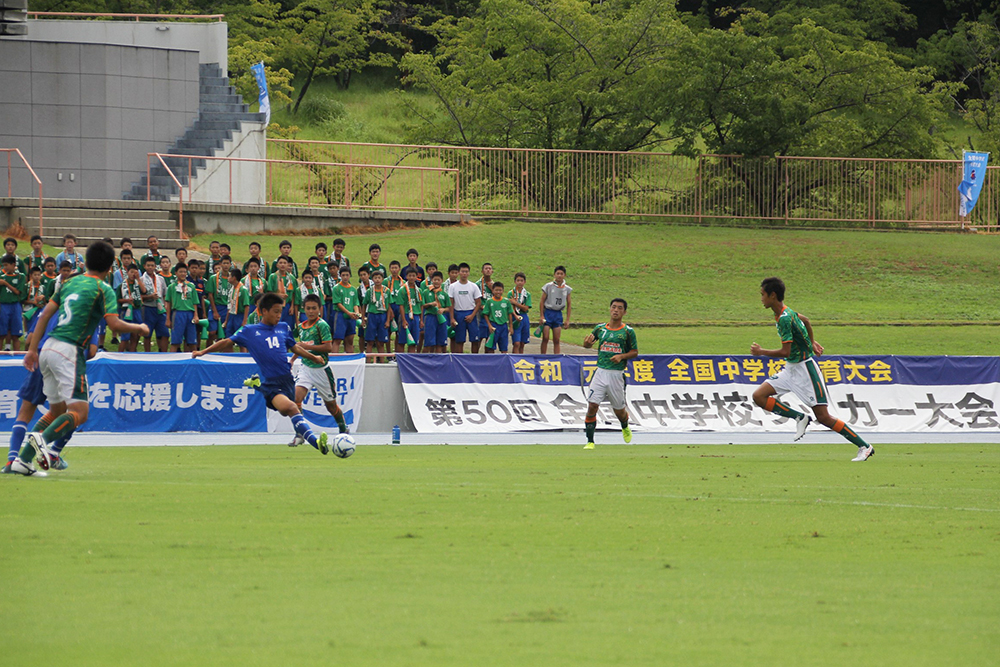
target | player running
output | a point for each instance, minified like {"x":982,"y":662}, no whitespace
{"x":266,"y":342}
{"x":82,"y":302}
{"x":617,"y":346}
{"x":801,"y":374}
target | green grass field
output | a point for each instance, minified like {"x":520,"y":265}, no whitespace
{"x":541,"y":555}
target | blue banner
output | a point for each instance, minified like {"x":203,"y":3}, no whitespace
{"x":263,"y":98}
{"x":973,"y":176}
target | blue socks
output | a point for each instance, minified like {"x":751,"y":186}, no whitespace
{"x":16,"y":438}
{"x":57,"y":447}
{"x":302,"y":428}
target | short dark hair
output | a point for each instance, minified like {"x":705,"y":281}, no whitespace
{"x":35,"y":237}
{"x":360,"y":269}
{"x":620,"y":300}
{"x":394,"y":262}
{"x":100,"y":256}
{"x":775,"y":286}
{"x":132,"y":267}
{"x":374,"y":246}
{"x":10,"y":239}
{"x":463,"y":265}
{"x":49,"y":259}
{"x":227,"y":258}
{"x":34,"y":269}
{"x":66,"y":264}
{"x":428,"y":265}
{"x":280,"y":258}
{"x":148,"y":260}
{"x":226,"y":246}
{"x":253,"y":243}
{"x":559,"y":268}
{"x":313,"y":298}
{"x":437,"y":274}
{"x":321,"y":244}
{"x":412,"y":251}
{"x":151,"y":237}
{"x":125,"y":240}
{"x":311,"y":259}
{"x":179,"y":250}
{"x":213,"y":241}
{"x":194,"y":262}
{"x":71,"y":237}
{"x":235,"y":274}
{"x":520,"y":274}
{"x":339,"y":242}
{"x":496,"y":284}
{"x":485,"y":264}
{"x":343,"y":270}
{"x":255,"y":299}
{"x":308,"y":272}
{"x":284,"y":243}
{"x":181,"y":265}
{"x":124,"y":252}
{"x":8,"y":259}
{"x":452,"y":267}
{"x":270,"y":300}
{"x":109,"y":241}
{"x":253,"y":260}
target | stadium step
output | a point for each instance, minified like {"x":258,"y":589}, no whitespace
{"x":89,"y":225}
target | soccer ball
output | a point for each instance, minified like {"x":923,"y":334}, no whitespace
{"x":343,"y":445}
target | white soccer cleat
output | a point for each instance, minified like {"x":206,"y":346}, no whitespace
{"x":296,"y":441}
{"x":19,"y":467}
{"x":801,"y":424}
{"x":864,"y":453}
{"x":42,"y":454}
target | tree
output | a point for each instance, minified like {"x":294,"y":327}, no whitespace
{"x":255,"y":36}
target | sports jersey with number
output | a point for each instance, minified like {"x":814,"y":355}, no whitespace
{"x":219,"y":289}
{"x":238,"y":300}
{"x":410,"y":298}
{"x":318,"y":333}
{"x":377,"y":300}
{"x":497,"y":310}
{"x":523,"y":297}
{"x":611,"y":342}
{"x":291,"y":286}
{"x":440,"y":299}
{"x":793,"y":330}
{"x":16,"y":281}
{"x":373,"y":269}
{"x":267,"y":345}
{"x":254,"y":285}
{"x":306,"y":291}
{"x":345,"y":294}
{"x":182,"y":296}
{"x":82,"y":302}
{"x":556,"y":296}
{"x":294,"y":270}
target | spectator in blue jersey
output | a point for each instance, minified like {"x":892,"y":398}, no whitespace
{"x":267,"y":343}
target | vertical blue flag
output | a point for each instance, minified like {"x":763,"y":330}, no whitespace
{"x":264,"y":99}
{"x":973,"y":175}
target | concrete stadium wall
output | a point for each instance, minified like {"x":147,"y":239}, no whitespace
{"x":244,"y":182}
{"x":383,"y":404}
{"x":86,"y":115}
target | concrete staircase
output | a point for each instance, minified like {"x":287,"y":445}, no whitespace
{"x":221,"y":112}
{"x":93,"y":224}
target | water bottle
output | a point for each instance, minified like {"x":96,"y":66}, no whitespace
{"x":395,"y":434}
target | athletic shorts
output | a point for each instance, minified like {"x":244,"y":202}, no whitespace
{"x":804,"y":379}
{"x":10,"y":319}
{"x":553,"y":319}
{"x":329,"y":314}
{"x":484,"y":329}
{"x":33,"y":320}
{"x":376,"y":331}
{"x":95,"y":338}
{"x":462,"y":328}
{"x":286,"y":316}
{"x":607,"y":385}
{"x":213,"y":324}
{"x":343,"y":326}
{"x":522,"y":329}
{"x":435,"y":333}
{"x":234,"y":324}
{"x":320,"y":379}
{"x":64,"y":371}
{"x":184,"y":329}
{"x":136,"y":319}
{"x":414,"y":326}
{"x":31,"y":390}
{"x":156,"y":321}
{"x":499,"y":337}
{"x":285,"y":385}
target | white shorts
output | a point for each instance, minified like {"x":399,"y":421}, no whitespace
{"x":804,"y":379}
{"x":64,"y":372}
{"x":320,"y":379}
{"x":607,"y":385}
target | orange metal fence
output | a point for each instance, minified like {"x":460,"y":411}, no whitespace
{"x":790,"y":190}
{"x":131,"y":17}
{"x":10,"y":152}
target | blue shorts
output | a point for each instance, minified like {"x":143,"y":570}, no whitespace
{"x":343,"y":326}
{"x":435,"y":333}
{"x":376,"y":331}
{"x":184,"y":330}
{"x":286,"y":316}
{"x":484,"y":329}
{"x":213,"y":324}
{"x":461,"y":328}
{"x":156,"y":321}
{"x":413,"y":325}
{"x":522,"y":330}
{"x":234,"y":324}
{"x":136,"y":319}
{"x":499,"y":337}
{"x":34,"y":320}
{"x":10,"y":319}
{"x":553,"y":319}
{"x":99,"y":330}
{"x":31,"y":389}
{"x":284,"y":385}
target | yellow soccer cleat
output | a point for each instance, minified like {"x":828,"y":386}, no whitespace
{"x":627,"y":435}
{"x":589,"y":445}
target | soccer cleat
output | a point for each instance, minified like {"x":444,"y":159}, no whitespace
{"x":296,"y":441}
{"x":589,"y":445}
{"x":58,"y":462}
{"x":864,"y":453}
{"x":627,"y":435}
{"x":801,"y":424}
{"x":253,"y":381}
{"x":19,"y":467}
{"x":43,"y":457}
{"x":324,"y":448}
{"x":6,"y":469}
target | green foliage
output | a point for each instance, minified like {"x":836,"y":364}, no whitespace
{"x":321,"y":109}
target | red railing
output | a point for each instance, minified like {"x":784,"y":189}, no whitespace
{"x":136,"y":17}
{"x":789,"y":190}
{"x":322,"y":184}
{"x":10,"y":181}
{"x":180,"y":190}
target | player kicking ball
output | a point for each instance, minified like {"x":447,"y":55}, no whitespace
{"x":82,"y":303}
{"x":801,"y":374}
{"x":266,"y":342}
{"x":315,"y":336}
{"x":616,"y":345}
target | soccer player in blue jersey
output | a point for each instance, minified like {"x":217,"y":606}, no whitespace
{"x":267,"y":343}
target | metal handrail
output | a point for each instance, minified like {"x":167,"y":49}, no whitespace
{"x":137,"y":17}
{"x":180,"y":189}
{"x":9,"y":151}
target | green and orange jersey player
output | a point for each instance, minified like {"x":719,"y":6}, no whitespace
{"x":81,"y":303}
{"x":616,"y":345}
{"x":801,"y":375}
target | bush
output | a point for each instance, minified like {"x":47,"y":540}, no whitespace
{"x":321,"y":109}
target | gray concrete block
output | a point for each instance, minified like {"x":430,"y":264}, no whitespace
{"x":130,"y":61}
{"x":94,"y":153}
{"x":113,"y":123}
{"x":55,"y":57}
{"x":176,"y":95}
{"x":176,"y":66}
{"x":147,"y":62}
{"x":15,"y":86}
{"x":161,"y":94}
{"x":94,"y":90}
{"x":137,"y":124}
{"x":15,"y":56}
{"x":15,"y":119}
{"x":50,"y":120}
{"x":93,"y":122}
{"x":134,"y":154}
{"x":113,"y":154}
{"x":137,"y":93}
{"x":57,"y":153}
{"x":94,"y":58}
{"x":162,"y":131}
{"x":53,"y":88}
{"x":113,"y":60}
{"x":192,"y":98}
{"x":113,"y":90}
